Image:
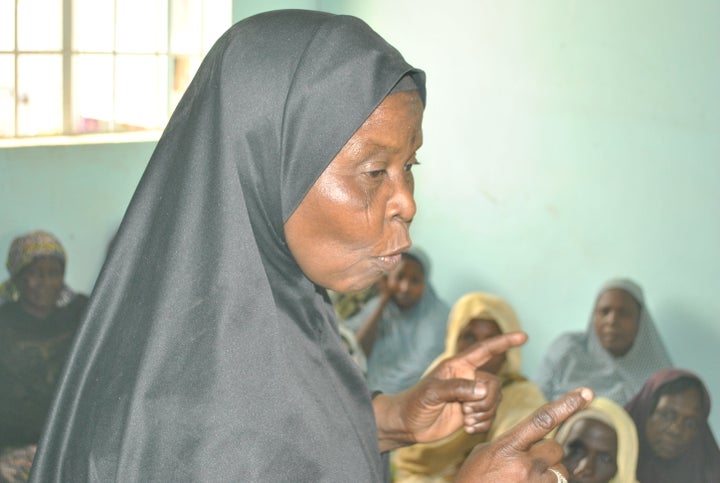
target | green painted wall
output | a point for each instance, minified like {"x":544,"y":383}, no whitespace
{"x":565,"y":143}
{"x":77,"y":192}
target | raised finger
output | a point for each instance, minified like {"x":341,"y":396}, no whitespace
{"x":478,"y":354}
{"x":536,"y":426}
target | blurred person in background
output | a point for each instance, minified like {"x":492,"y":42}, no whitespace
{"x":676,"y":443}
{"x":38,"y":321}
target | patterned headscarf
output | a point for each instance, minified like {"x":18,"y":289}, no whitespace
{"x":608,"y":412}
{"x":23,"y":251}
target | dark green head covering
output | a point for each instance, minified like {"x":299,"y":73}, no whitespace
{"x":24,"y":249}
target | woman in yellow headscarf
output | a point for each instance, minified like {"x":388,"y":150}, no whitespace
{"x":600,"y":444}
{"x":475,"y":316}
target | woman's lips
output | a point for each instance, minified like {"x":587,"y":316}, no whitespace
{"x":669,"y":445}
{"x":610,"y":336}
{"x":389,"y":262}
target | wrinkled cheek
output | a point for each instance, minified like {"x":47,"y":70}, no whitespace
{"x":367,"y":216}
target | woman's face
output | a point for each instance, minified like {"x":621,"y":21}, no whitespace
{"x":40,"y":284}
{"x":616,"y":320}
{"x":354,"y":222}
{"x":674,"y":424}
{"x":407,"y":283}
{"x":477,"y":330}
{"x":590,"y":452}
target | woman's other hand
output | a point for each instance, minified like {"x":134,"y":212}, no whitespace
{"x":522,"y":454}
{"x":452,"y":395}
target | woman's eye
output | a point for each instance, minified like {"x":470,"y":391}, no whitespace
{"x":607,"y":459}
{"x":376,"y":173}
{"x":666,"y":416}
{"x":691,"y":424}
{"x":575,"y":451}
{"x":408,"y":166}
{"x":468,"y":337}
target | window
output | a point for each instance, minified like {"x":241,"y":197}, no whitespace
{"x":99,"y":66}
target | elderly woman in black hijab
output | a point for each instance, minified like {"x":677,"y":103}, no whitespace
{"x":210,"y":351}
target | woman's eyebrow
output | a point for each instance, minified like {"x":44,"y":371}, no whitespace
{"x":366,"y":151}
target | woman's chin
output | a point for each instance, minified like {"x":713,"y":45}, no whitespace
{"x":355,"y":285}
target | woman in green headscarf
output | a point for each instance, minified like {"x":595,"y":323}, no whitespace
{"x":37,"y":324}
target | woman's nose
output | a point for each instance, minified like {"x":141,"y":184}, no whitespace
{"x":585,"y":467}
{"x":674,"y":428}
{"x":612,"y":318}
{"x":403,"y":286}
{"x":402,"y":203}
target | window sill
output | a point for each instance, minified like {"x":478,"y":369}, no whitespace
{"x":80,"y":139}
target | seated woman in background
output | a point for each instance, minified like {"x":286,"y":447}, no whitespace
{"x":614,"y":356}
{"x":401,"y":330}
{"x":346,"y":305}
{"x":474,"y":317}
{"x":37,"y":326}
{"x":676,"y":442}
{"x":600,"y":444}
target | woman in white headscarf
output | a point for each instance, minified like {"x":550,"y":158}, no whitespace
{"x":619,"y":350}
{"x":402,"y":329}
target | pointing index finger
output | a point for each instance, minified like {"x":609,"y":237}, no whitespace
{"x":478,"y":354}
{"x":546,"y":418}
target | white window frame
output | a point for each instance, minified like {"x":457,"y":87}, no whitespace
{"x":67,"y":53}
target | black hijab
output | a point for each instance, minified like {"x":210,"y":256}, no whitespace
{"x":206,"y":354}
